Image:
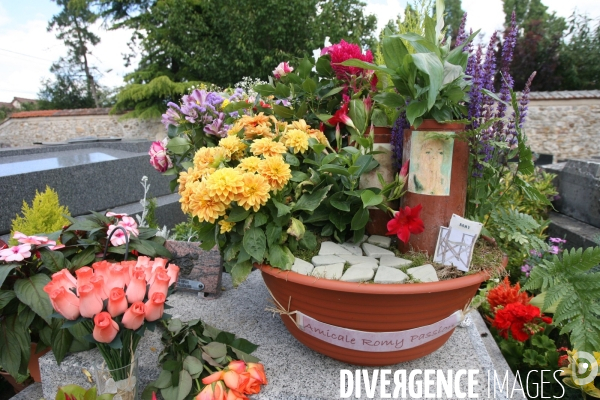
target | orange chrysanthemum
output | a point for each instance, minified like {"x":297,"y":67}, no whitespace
{"x":225,"y":225}
{"x":276,"y":172}
{"x":249,"y":164}
{"x":320,"y":136}
{"x":301,"y":125}
{"x":203,"y":205}
{"x":504,"y":294}
{"x":255,"y":193}
{"x":233,"y":146}
{"x":297,"y":140}
{"x":224,"y":184}
{"x":267,"y":147}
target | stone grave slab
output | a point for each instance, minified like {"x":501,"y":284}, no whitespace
{"x":294,"y":372}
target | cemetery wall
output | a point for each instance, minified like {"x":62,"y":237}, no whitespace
{"x":564,"y":128}
{"x":19,"y":132}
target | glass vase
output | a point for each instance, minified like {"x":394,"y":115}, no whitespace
{"x":122,"y":382}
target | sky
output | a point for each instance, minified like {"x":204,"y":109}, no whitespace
{"x":27,"y":50}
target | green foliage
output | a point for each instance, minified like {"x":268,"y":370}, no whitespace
{"x":432,"y":79}
{"x":151,"y":216}
{"x":76,"y":392}
{"x":568,"y":282}
{"x":43,"y":216}
{"x":146,"y":101}
{"x":191,"y":351}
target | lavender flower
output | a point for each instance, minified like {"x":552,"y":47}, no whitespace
{"x":238,"y":95}
{"x":557,"y":240}
{"x":171,"y":117}
{"x":526,"y":269}
{"x":461,"y":35}
{"x":400,"y":124}
{"x":510,"y":40}
{"x":217,"y":127}
{"x":524,"y":100}
{"x":477,"y":83}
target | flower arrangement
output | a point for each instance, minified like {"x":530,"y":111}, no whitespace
{"x":114,"y":302}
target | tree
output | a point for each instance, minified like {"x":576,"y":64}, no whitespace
{"x":65,"y":91}
{"x":221,"y":41}
{"x":453,"y":14}
{"x":72,"y":25}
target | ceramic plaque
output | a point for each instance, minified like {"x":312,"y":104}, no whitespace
{"x":430,"y":163}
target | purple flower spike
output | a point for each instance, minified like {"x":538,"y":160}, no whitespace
{"x":524,"y":100}
{"x":461,"y":35}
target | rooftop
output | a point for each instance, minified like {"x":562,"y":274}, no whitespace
{"x":565,"y":95}
{"x":61,"y":113}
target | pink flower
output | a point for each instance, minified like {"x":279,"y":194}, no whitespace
{"x":343,"y":51}
{"x":136,"y":290}
{"x":118,"y":276}
{"x":105,"y":328}
{"x":173,"y":272}
{"x":16,"y":253}
{"x":90,"y":303}
{"x":55,"y":246}
{"x":134,"y":316}
{"x":282,"y":70}
{"x":119,"y":238}
{"x":554,"y":250}
{"x":154,"y":307}
{"x":158,"y":156}
{"x":24,"y":239}
{"x":64,"y":302}
{"x":112,"y":214}
{"x":160,"y":283}
{"x":130,"y":225}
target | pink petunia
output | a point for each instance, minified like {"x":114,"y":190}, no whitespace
{"x":16,"y":253}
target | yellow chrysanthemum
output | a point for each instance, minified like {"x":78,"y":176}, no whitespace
{"x":254,"y":120}
{"x":297,"y":140}
{"x":184,"y":177}
{"x":203,"y":205}
{"x":275,"y":171}
{"x":235,"y":129}
{"x":255,"y":193}
{"x":233,"y":146}
{"x":225,"y":184}
{"x":226,"y":226}
{"x":320,"y":136}
{"x":282,"y":126}
{"x":249,"y":164}
{"x":301,"y":125}
{"x":211,"y":157}
{"x":225,"y":103}
{"x":267,"y":147}
{"x":262,"y":130}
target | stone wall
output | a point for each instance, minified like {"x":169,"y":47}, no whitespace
{"x":564,"y":128}
{"x":20,"y":132}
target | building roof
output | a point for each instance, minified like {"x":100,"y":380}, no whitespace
{"x":6,"y":105}
{"x":24,"y":100}
{"x":565,"y":95}
{"x":61,"y":113}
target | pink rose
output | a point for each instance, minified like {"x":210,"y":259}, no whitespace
{"x":118,"y":276}
{"x":160,"y":283}
{"x":158,"y":156}
{"x":65,"y":303}
{"x":136,"y":291}
{"x":173,"y":272}
{"x":98,"y":282}
{"x":155,"y":307}
{"x":89,"y":302}
{"x":105,"y":329}
{"x":282,"y":70}
{"x":61,"y":278}
{"x":134,"y":316}
{"x":84,"y":274}
{"x":117,"y":303}
{"x":101,"y":268}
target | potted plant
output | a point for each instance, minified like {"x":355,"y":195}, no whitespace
{"x":26,"y":310}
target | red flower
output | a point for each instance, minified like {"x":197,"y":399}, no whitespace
{"x":516,"y":317}
{"x":341,"y":115}
{"x":504,"y":294}
{"x":343,"y":51}
{"x":405,"y":222}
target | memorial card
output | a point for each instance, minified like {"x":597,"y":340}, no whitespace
{"x":454,"y":247}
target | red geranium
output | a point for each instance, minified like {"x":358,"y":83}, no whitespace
{"x":504,"y":294}
{"x":405,"y":222}
{"x":520,"y":319}
{"x":343,"y":51}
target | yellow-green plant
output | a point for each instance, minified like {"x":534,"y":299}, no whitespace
{"x":517,"y":200}
{"x":45,"y":215}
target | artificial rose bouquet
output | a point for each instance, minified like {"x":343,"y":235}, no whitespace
{"x":234,"y":382}
{"x":114,"y":302}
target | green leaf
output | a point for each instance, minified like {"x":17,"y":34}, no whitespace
{"x":255,"y":243}
{"x":299,"y":176}
{"x":84,"y":257}
{"x":394,"y":51}
{"x":282,"y":91}
{"x":280,"y":257}
{"x":259,"y":219}
{"x":5,"y":270}
{"x":324,"y":66}
{"x":244,"y":356}
{"x":264,"y":90}
{"x":334,"y":169}
{"x":415,"y":110}
{"x":178,"y":145}
{"x":192,"y":365}
{"x":365,"y":65}
{"x":31,"y":292}
{"x":308,"y":241}
{"x":360,"y":219}
{"x":296,"y":228}
{"x":215,"y":349}
{"x":5,"y":297}
{"x":309,"y":85}
{"x":339,"y":201}
{"x":273,"y":233}
{"x":371,"y":199}
{"x":390,"y":99}
{"x":310,"y":201}
{"x":358,"y":115}
{"x":238,"y":214}
{"x":451,"y":73}
{"x":163,"y":380}
{"x":11,"y":338}
{"x":333,"y":91}
{"x":84,"y":225}
{"x":431,"y":65}
{"x":283,"y":112}
{"x":304,"y":68}
{"x":185,"y":385}
{"x":61,"y":342}
{"x":174,"y":325}
{"x":420,"y":44}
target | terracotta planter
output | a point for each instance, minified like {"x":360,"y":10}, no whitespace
{"x":34,"y":364}
{"x":370,"y":308}
{"x":437,"y":209}
{"x":16,"y":386}
{"x":382,"y":142}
